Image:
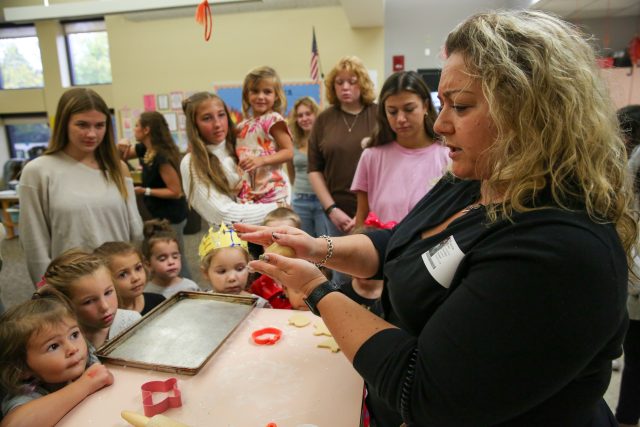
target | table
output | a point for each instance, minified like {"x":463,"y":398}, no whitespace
{"x":7,"y":198}
{"x":291,"y":383}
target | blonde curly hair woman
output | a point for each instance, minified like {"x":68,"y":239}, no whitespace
{"x":506,"y":285}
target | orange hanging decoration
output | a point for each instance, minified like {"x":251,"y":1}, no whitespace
{"x":203,"y":17}
{"x":634,"y":51}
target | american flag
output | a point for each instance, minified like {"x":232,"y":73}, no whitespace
{"x":315,"y":67}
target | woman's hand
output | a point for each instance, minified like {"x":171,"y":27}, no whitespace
{"x":123,"y":146}
{"x":296,"y":274}
{"x":341,"y":220}
{"x":138,"y":190}
{"x":304,"y":246}
{"x":250,"y":163}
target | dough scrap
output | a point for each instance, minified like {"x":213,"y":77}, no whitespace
{"x":330,"y":344}
{"x":321,"y":329}
{"x":275,"y":248}
{"x":299,"y":320}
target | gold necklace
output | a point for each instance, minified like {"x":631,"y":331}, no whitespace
{"x":350,"y":128}
{"x":471,"y":208}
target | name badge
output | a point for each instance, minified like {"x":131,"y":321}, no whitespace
{"x":442,"y":260}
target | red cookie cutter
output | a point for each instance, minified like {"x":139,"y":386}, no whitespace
{"x":174,"y":401}
{"x":266,"y":336}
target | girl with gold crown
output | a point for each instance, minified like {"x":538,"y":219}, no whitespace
{"x":223,"y":262}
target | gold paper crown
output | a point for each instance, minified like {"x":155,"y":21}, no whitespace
{"x":223,"y":238}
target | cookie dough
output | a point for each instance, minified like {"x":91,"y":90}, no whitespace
{"x":299,"y":320}
{"x":321,"y":329}
{"x":275,"y":248}
{"x":330,"y":344}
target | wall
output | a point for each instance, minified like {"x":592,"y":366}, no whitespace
{"x":171,"y":54}
{"x":411,"y":26}
{"x":164,"y":55}
{"x":611,"y":34}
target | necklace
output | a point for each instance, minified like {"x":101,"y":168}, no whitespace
{"x":350,"y":128}
{"x":471,"y":208}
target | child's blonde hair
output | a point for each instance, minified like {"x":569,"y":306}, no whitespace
{"x":252,"y":79}
{"x":70,"y":266}
{"x":157,"y":230}
{"x":205,"y":261}
{"x":18,"y":325}
{"x":108,"y":250}
{"x":283,"y":214}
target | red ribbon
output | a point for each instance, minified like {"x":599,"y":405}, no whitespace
{"x":203,"y":16}
{"x":373,"y":221}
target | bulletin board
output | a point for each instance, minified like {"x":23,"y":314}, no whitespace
{"x":232,"y":95}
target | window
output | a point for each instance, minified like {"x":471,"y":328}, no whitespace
{"x":88,"y":52}
{"x":27,"y":135}
{"x":20,"y":62}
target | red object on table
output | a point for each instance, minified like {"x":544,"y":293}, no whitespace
{"x":174,"y":401}
{"x":266,"y":336}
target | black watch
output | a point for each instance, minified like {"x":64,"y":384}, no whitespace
{"x":317,"y":294}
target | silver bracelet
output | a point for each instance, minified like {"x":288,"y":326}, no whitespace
{"x":329,"y":251}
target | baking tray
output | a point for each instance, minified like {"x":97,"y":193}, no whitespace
{"x":179,"y":335}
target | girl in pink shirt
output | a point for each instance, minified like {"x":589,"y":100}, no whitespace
{"x":404,"y":158}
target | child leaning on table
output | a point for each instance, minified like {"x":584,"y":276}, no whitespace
{"x":224,"y":260}
{"x":45,"y":365}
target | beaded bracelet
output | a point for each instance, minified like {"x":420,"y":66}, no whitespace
{"x":329,"y":251}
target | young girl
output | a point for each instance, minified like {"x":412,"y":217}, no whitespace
{"x":129,"y":276}
{"x":404,"y":152}
{"x":264,"y":141}
{"x":162,"y":256}
{"x":210,"y":172}
{"x":305,"y":202}
{"x":223,"y":262}
{"x":45,"y":366}
{"x":86,"y":281}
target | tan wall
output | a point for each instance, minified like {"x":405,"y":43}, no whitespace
{"x":165,"y":55}
{"x":159,"y":56}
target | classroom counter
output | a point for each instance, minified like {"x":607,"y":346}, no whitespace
{"x":291,"y":383}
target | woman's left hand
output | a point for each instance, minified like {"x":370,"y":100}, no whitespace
{"x":297,"y":274}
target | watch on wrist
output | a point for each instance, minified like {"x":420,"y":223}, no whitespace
{"x":317,"y":294}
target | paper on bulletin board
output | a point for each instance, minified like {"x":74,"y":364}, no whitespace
{"x":172,"y":121}
{"x":149,"y":102}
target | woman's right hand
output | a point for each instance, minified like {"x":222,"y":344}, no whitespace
{"x":123,"y":147}
{"x":341,"y":220}
{"x":96,"y":377}
{"x":304,"y":246}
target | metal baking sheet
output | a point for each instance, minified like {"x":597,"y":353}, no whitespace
{"x":180,"y":335}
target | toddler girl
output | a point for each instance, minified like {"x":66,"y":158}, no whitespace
{"x":264,"y":141}
{"x":86,"y":281}
{"x":162,"y":256}
{"x":223,"y":262}
{"x":43,"y":353}
{"x":129,"y":276}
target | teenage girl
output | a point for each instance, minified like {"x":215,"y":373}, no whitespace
{"x":86,"y":281}
{"x":129,"y":276}
{"x":210,"y":172}
{"x":305,"y":202}
{"x":264,"y":141}
{"x":163,"y":260}
{"x":404,"y":158}
{"x":223,"y":262}
{"x":45,"y":366}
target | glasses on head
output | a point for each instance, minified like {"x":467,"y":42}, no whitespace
{"x":352,"y":81}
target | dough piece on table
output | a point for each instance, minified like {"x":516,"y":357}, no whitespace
{"x":330,"y":344}
{"x":321,"y":329}
{"x":299,"y":320}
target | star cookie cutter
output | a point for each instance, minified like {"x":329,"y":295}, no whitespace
{"x":170,"y":386}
